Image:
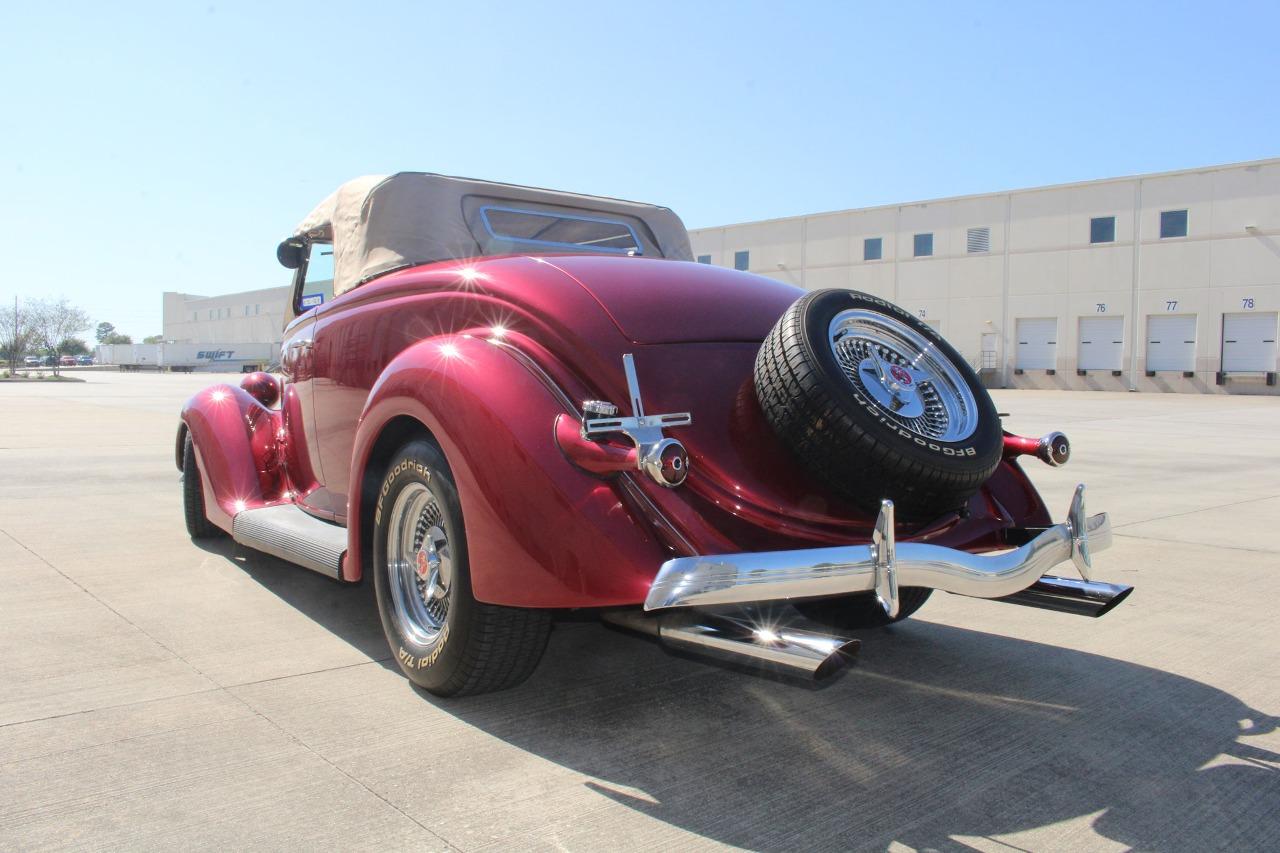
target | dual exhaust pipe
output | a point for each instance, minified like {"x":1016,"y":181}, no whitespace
{"x":814,"y":656}
{"x":790,"y":651}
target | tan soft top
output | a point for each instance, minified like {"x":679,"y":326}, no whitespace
{"x":380,"y":223}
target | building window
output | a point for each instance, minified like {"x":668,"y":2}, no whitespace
{"x":256,"y":309}
{"x":246,"y":310}
{"x":704,"y":259}
{"x":1102,"y":229}
{"x":210,"y":313}
{"x":873,"y":248}
{"x":979,"y":240}
{"x":195,"y":316}
{"x":923,"y":245}
{"x":742,"y":260}
{"x":1173,"y":223}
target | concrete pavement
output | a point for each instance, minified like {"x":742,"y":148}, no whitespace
{"x":155,"y":693}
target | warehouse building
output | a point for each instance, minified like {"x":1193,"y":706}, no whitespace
{"x":252,"y":315}
{"x":1160,"y":282}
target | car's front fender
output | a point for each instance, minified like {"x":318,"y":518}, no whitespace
{"x":540,"y":532}
{"x":236,"y":443}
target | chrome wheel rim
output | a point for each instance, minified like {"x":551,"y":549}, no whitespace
{"x":419,"y":564}
{"x":905,"y":374}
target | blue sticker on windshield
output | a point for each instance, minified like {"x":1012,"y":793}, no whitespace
{"x":311,"y":300}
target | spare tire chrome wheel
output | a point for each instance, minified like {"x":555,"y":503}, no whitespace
{"x":875,"y":404}
{"x":905,"y":373}
{"x":442,"y":638}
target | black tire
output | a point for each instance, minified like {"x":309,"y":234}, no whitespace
{"x":478,"y":647}
{"x":850,"y":442}
{"x":198,"y":524}
{"x":862,"y":611}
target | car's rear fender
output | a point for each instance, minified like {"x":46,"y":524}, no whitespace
{"x":236,"y":441}
{"x":540,"y":532}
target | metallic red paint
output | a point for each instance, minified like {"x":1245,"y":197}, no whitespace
{"x":262,"y":387}
{"x":540,"y":532}
{"x":237,"y":444}
{"x":491,"y":357}
{"x":1020,"y":445}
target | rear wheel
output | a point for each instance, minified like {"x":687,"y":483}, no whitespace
{"x":443,"y":639}
{"x":862,"y":610}
{"x":198,"y":524}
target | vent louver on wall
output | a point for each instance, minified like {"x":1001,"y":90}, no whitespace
{"x":979,"y":240}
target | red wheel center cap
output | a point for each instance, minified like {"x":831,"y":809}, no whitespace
{"x":900,"y":375}
{"x":424,"y":566}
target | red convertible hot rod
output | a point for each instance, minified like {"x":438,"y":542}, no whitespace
{"x":500,"y":402}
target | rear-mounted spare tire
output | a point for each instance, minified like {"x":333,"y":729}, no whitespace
{"x":875,"y":404}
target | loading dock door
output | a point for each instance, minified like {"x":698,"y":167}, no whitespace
{"x":990,"y":351}
{"x":1171,"y":342}
{"x":1101,"y":343}
{"x":1037,"y":343}
{"x":1249,"y":342}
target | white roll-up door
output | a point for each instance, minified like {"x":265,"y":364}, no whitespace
{"x":1101,"y":344}
{"x":1037,"y":343}
{"x":1249,"y":342}
{"x":1171,"y":342}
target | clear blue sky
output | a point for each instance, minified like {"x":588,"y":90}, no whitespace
{"x":168,"y":146}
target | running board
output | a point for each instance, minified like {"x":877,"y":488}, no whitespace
{"x":287,"y":532}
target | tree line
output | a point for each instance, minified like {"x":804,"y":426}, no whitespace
{"x":47,"y":327}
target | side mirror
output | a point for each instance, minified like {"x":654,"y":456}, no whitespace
{"x":290,"y":253}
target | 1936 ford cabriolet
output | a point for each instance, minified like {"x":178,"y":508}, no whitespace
{"x":503,"y":402}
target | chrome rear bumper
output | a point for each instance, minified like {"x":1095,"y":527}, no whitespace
{"x":883,"y":566}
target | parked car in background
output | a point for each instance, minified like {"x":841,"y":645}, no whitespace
{"x":67,"y":361}
{"x":32,"y":361}
{"x":461,"y":421}
{"x":49,"y":361}
{"x":84,"y":360}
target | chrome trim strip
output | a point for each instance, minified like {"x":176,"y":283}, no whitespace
{"x":656,"y":516}
{"x":541,"y":375}
{"x":779,"y":575}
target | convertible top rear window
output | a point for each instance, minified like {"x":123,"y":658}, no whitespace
{"x":557,"y":230}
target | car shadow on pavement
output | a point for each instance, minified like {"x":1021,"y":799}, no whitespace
{"x":348,"y":611}
{"x":937,"y":737}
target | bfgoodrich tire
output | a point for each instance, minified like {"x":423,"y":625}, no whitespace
{"x":875,"y":404}
{"x":443,"y":639}
{"x":198,"y":524}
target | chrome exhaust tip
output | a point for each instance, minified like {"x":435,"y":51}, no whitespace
{"x":1068,"y":595}
{"x":790,"y":651}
